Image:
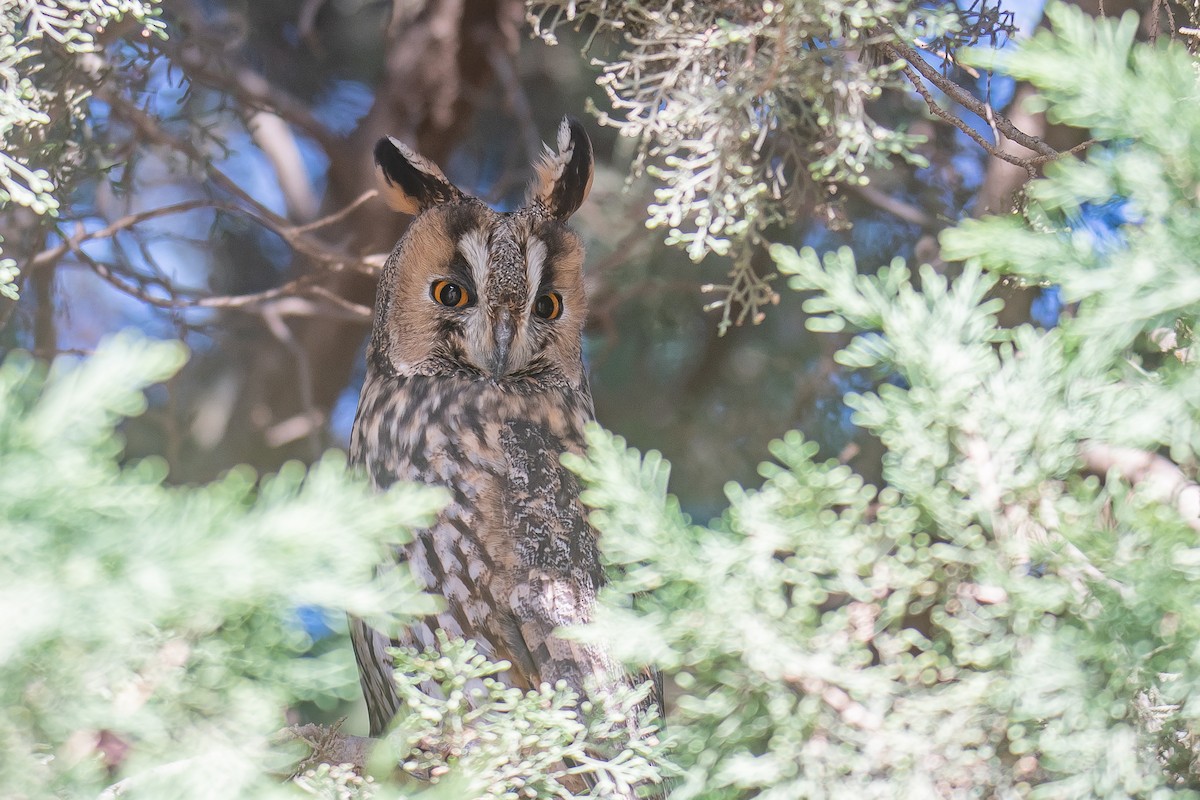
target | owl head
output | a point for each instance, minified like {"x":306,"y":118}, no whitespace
{"x":476,"y":292}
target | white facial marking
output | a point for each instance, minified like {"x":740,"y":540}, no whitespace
{"x":535,"y":259}
{"x":474,"y":247}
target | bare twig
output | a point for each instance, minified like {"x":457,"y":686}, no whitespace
{"x":961,"y":124}
{"x":252,"y":90}
{"x":948,"y":57}
{"x":337,"y":216}
{"x":150,"y":129}
{"x":900,"y":50}
{"x":292,"y":234}
{"x":276,"y":298}
{"x":1077,"y":148}
{"x":52,"y":254}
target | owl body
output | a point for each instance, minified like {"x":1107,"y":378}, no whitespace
{"x":475,"y":383}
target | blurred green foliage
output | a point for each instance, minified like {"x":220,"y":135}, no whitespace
{"x":1015,"y":610}
{"x":150,"y":630}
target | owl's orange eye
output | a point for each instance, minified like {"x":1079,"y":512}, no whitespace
{"x":548,"y":306}
{"x":449,"y":294}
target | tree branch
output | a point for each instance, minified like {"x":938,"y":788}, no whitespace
{"x":52,"y":254}
{"x":983,"y":110}
{"x":961,"y":124}
{"x":294,"y":235}
{"x":252,"y":90}
{"x":278,"y":299}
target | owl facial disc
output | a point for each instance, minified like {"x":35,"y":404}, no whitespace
{"x":472,"y":291}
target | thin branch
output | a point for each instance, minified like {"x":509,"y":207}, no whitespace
{"x":292,"y":234}
{"x":278,"y":299}
{"x":252,"y":90}
{"x":959,"y":123}
{"x":968,"y":101}
{"x":337,"y":216}
{"x":52,"y":254}
{"x":1077,"y":148}
{"x":306,"y":424}
{"x":948,"y":57}
{"x":354,"y":311}
{"x":148,"y":126}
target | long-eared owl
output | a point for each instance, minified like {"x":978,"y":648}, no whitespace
{"x":475,"y":382}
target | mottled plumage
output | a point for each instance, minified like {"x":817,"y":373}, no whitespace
{"x":475,"y":382}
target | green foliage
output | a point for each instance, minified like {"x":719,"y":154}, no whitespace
{"x":337,"y":782}
{"x":154,"y":626}
{"x":750,"y":112}
{"x":45,"y":83}
{"x":481,"y":738}
{"x":8,"y":276}
{"x":1015,"y":611}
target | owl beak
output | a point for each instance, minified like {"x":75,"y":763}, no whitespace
{"x":502,"y":336}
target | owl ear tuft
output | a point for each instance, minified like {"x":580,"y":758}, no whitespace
{"x":408,"y":182}
{"x":564,"y":178}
